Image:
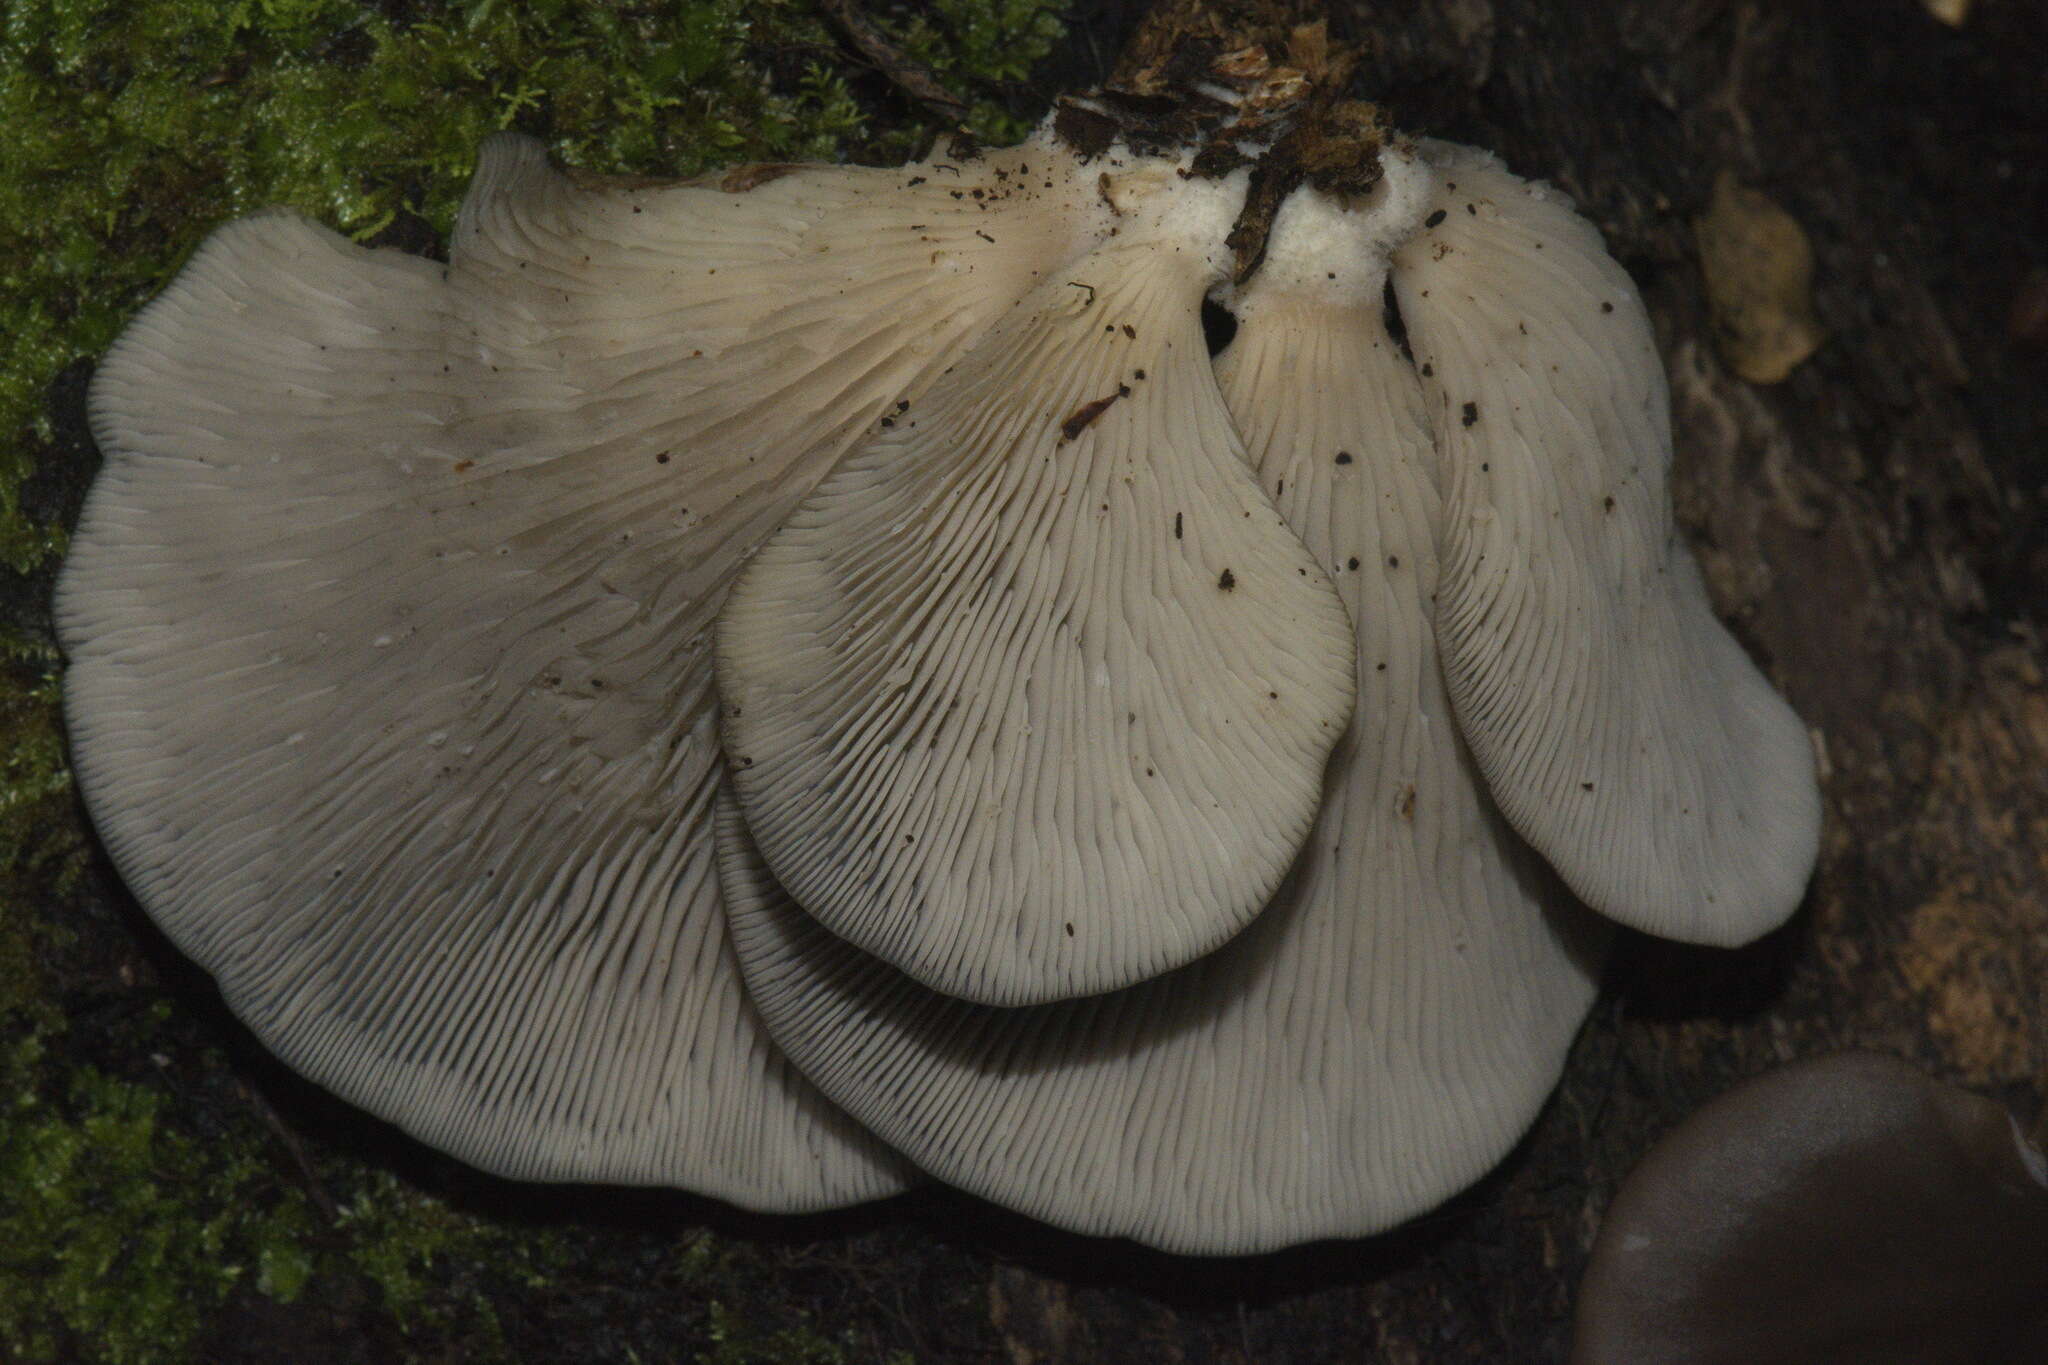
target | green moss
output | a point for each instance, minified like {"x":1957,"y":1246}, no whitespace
{"x":283,"y":1265}
{"x":971,"y":42}
{"x":116,"y":1234}
{"x":120,"y":1234}
{"x":734,"y":1342}
{"x":42,"y":850}
{"x":436,"y":1267}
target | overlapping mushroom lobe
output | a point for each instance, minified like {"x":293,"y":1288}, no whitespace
{"x":1621,"y":729}
{"x":388,"y":623}
{"x":1388,"y":1025}
{"x":1032,"y":696}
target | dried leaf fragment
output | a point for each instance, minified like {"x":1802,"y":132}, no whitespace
{"x":1759,"y":275}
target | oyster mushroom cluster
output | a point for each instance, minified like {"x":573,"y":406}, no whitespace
{"x":777,"y":685}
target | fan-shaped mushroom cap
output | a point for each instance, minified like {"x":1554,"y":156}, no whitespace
{"x":390,"y":684}
{"x":1841,"y":1209}
{"x":1621,"y":729}
{"x":1386,"y":1027}
{"x":1032,"y":696}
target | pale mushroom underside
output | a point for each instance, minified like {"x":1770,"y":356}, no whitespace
{"x":1620,"y":727}
{"x":1032,"y":697}
{"x":390,"y":625}
{"x":1383,"y":1031}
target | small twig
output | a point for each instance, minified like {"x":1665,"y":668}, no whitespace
{"x":275,"y":1122}
{"x":913,"y":78}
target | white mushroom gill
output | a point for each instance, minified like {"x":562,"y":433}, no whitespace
{"x":1392,"y":1021}
{"x":1620,"y":727}
{"x":392,"y":691}
{"x":1032,"y":696}
{"x":388,"y":625}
